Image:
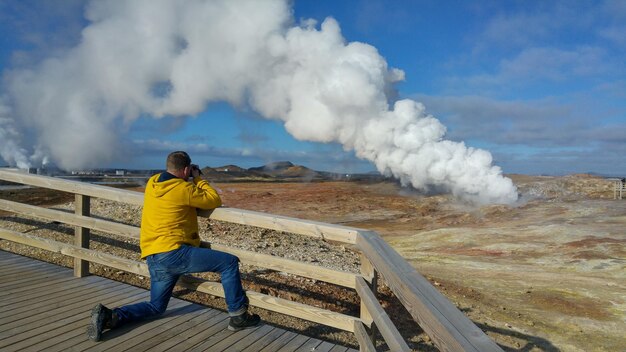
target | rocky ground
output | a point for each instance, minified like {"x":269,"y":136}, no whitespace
{"x":546,"y":274}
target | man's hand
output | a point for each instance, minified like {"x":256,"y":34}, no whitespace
{"x":195,"y":171}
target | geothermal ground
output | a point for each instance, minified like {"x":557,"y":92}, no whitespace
{"x":546,"y":274}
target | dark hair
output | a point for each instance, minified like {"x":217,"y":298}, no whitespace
{"x":178,"y":160}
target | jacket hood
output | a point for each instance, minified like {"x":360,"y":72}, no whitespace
{"x":161,"y":188}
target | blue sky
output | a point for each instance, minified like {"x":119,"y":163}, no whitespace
{"x":539,"y":84}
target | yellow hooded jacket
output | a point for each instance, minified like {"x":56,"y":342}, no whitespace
{"x":169,"y":217}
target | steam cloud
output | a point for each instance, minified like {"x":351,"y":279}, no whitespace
{"x":172,"y":58}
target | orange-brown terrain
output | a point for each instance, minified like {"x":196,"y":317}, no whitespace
{"x":546,"y":274}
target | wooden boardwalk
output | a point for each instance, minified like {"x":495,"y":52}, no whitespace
{"x":43,"y":307}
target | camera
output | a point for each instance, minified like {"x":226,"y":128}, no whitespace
{"x":196,"y":167}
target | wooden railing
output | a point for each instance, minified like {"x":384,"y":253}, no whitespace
{"x":448,"y":328}
{"x":619,"y":187}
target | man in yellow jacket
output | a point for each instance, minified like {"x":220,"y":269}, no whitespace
{"x":169,"y":242}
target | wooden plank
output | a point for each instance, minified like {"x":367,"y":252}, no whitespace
{"x":385,"y":325}
{"x":50,"y":301}
{"x":48,"y":297}
{"x":449,"y":329}
{"x":294,"y":343}
{"x":254,"y":335}
{"x":52,"y":287}
{"x":317,"y":229}
{"x":76,"y":187}
{"x":197,"y":335}
{"x":363,"y":338}
{"x":275,"y":304}
{"x":266,"y":339}
{"x":279,"y":342}
{"x":215,"y":338}
{"x":325,"y":346}
{"x":230,"y":338}
{"x":81,"y":234}
{"x":309,"y":345}
{"x":258,"y":338}
{"x":7,"y":259}
{"x":182,"y":332}
{"x":96,"y":224}
{"x":16,"y":277}
{"x":12,"y":267}
{"x":44,"y":337}
{"x":15,"y":267}
{"x":369,"y":273}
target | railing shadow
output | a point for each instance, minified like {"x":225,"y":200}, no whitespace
{"x":533,"y":343}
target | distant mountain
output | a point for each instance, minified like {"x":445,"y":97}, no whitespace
{"x":230,"y":168}
{"x":278,"y":171}
{"x":286,"y":169}
{"x":276,"y":166}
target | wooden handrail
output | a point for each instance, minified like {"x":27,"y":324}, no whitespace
{"x":385,"y":326}
{"x":445,"y":324}
{"x":447,"y":327}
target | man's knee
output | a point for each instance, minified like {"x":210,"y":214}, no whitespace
{"x":159,"y":309}
{"x":233,"y":261}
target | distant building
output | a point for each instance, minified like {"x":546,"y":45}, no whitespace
{"x":120,"y":172}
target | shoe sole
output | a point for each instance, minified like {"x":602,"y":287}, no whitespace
{"x":97,"y":319}
{"x":232,"y":328}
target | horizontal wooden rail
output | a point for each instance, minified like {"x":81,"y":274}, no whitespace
{"x":102,"y":225}
{"x":283,"y":223}
{"x":275,"y":304}
{"x":383,"y":323}
{"x":447,"y":326}
{"x":75,"y":187}
{"x":245,"y":217}
{"x":279,"y":305}
{"x":316,"y":272}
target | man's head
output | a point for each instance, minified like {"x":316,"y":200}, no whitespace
{"x":178,"y":161}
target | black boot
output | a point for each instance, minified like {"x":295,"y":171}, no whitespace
{"x":244,"y":321}
{"x":101,"y":318}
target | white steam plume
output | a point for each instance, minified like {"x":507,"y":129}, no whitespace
{"x":174,"y":57}
{"x":10,"y":149}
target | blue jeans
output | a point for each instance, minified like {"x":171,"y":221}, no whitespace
{"x":166,"y":268}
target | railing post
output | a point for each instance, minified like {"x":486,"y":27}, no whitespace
{"x":371,"y":276}
{"x":81,"y":234}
